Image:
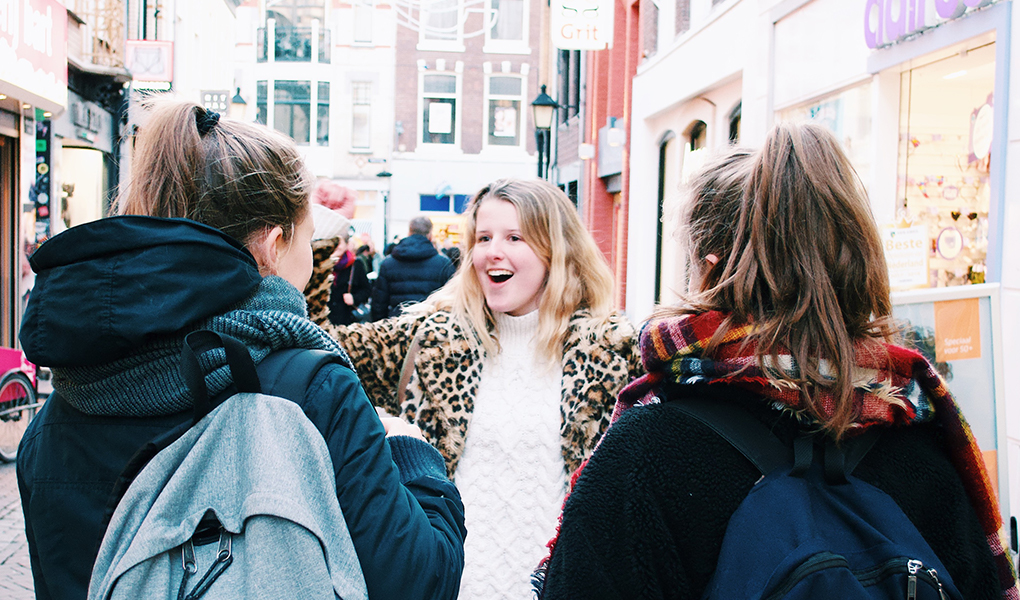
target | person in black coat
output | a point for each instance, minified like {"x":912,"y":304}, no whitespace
{"x":787,"y":319}
{"x":411,"y":272}
{"x":351,"y":287}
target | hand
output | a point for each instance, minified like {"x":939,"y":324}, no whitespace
{"x":397,"y":426}
{"x":348,"y":300}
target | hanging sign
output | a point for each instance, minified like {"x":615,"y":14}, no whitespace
{"x":582,"y":24}
{"x":150,"y":62}
{"x":40,"y":191}
{"x":33,"y":51}
{"x":906,"y":256}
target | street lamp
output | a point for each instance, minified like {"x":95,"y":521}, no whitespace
{"x":384,"y":174}
{"x":237,"y":106}
{"x":542,"y":111}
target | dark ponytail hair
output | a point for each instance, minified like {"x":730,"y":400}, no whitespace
{"x":241,"y":178}
{"x":799,"y":256}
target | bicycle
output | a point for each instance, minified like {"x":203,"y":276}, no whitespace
{"x":19,"y":400}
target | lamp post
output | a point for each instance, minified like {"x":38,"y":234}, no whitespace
{"x":384,"y":174}
{"x":238,"y":106}
{"x":542,"y":111}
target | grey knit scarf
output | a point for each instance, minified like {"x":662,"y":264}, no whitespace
{"x":148,"y":382}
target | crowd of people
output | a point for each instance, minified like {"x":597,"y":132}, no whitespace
{"x":497,"y":429}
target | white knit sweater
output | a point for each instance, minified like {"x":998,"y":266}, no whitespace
{"x":511,"y":476}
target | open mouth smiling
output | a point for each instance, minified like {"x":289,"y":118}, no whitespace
{"x":499,"y":275}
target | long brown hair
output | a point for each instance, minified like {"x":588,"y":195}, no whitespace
{"x":578,"y":276}
{"x":241,"y":178}
{"x":800,"y":257}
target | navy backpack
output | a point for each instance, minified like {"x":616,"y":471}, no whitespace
{"x":808,"y":528}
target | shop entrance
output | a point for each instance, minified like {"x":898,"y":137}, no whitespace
{"x":9,"y":271}
{"x":945,"y":141}
{"x":84,"y":193}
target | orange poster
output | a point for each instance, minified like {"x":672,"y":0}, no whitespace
{"x":957,"y":330}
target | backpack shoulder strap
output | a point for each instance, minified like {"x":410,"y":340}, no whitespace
{"x":741,"y":429}
{"x":288,"y":373}
{"x":765,"y":450}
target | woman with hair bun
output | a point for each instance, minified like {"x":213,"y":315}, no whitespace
{"x":511,"y":370}
{"x":787,"y":326}
{"x":213,"y":231}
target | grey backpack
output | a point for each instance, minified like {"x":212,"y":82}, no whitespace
{"x":242,"y":504}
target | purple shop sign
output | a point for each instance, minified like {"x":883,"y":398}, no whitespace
{"x":888,"y":21}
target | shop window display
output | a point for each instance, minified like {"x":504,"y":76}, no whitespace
{"x":847,"y":114}
{"x":945,"y":135}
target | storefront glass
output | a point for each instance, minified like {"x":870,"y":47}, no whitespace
{"x":83,"y":194}
{"x":945,"y":137}
{"x":847,"y":114}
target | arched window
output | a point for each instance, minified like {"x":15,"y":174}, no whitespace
{"x":735,"y":124}
{"x":665,"y":180}
{"x":696,"y":140}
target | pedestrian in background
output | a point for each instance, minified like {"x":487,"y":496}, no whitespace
{"x":412,"y":271}
{"x":366,"y":254}
{"x":788,"y":320}
{"x":213,"y":232}
{"x":511,"y":370}
{"x":351,"y":287}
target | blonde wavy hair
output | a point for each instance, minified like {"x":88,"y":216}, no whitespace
{"x":577,"y":277}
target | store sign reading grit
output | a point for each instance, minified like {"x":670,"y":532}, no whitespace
{"x":33,"y":47}
{"x":889,"y":21}
{"x":582,"y":24}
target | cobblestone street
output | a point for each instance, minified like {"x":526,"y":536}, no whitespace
{"x":15,"y":570}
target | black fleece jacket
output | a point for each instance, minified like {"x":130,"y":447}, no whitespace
{"x":647,"y":516}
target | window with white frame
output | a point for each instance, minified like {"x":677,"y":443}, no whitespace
{"x":508,"y":29}
{"x":295,"y":13}
{"x":440,"y":24}
{"x":505,"y":95}
{"x":439,"y":109}
{"x":292,"y":109}
{"x":322,"y":114}
{"x":362,"y":21}
{"x":262,"y":102}
{"x":361,"y":111}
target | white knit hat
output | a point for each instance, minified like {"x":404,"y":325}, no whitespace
{"x":329,"y":223}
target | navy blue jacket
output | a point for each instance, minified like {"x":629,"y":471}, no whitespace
{"x":141,"y":277}
{"x":410,"y":273}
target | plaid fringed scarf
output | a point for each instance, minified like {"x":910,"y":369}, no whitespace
{"x":893,"y":386}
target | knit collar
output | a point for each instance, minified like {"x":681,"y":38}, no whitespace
{"x":510,"y":327}
{"x":147,"y":382}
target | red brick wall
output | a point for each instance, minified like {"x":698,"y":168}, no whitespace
{"x":470,"y":103}
{"x":683,"y":16}
{"x":567,"y":138}
{"x":649,"y":28}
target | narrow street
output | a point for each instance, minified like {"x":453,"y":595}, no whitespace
{"x":15,"y":570}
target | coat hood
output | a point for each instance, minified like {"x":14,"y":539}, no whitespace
{"x":106,"y":287}
{"x":414,"y":248}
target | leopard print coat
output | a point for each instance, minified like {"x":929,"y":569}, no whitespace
{"x":598,"y":360}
